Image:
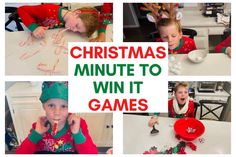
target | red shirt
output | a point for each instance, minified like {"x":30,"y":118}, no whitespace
{"x":189,"y":113}
{"x":185,"y":46}
{"x":41,"y":15}
{"x":221,"y":47}
{"x":50,"y":15}
{"x":105,"y":16}
{"x":63,"y":141}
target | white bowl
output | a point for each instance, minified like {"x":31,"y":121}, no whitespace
{"x":197,"y":56}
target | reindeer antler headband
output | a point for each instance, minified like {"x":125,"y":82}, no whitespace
{"x":162,"y":10}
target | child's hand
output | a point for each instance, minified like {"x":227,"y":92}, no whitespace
{"x":41,"y":126}
{"x":228,"y":51}
{"x":100,"y":38}
{"x":40,"y":32}
{"x":152,"y":121}
{"x":74,"y":122}
{"x":109,"y":151}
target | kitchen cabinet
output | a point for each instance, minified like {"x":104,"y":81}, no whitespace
{"x":25,"y":107}
{"x":100,"y":128}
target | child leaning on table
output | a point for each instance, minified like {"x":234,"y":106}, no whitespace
{"x":180,"y":105}
{"x":57,"y":131}
{"x":39,"y":18}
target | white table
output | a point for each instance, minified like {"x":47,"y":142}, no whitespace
{"x":214,"y":64}
{"x":137,"y":136}
{"x":46,"y":55}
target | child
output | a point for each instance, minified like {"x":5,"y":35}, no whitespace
{"x":170,"y":31}
{"x":58,"y":131}
{"x":42,"y":17}
{"x":179,"y":106}
{"x":224,"y":46}
{"x":167,"y":19}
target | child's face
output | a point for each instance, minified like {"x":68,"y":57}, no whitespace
{"x":181,"y":95}
{"x":56,"y":110}
{"x":75,"y":24}
{"x":171,"y":35}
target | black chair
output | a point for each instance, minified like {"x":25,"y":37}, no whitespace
{"x":196,"y":105}
{"x":13,"y":17}
{"x":218,"y":105}
{"x":186,"y":31}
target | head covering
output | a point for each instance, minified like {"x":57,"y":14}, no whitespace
{"x":52,"y":90}
{"x":92,"y":11}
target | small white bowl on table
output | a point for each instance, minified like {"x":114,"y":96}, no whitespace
{"x":197,"y":56}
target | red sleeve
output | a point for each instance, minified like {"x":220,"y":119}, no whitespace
{"x":27,"y":147}
{"x":31,"y":15}
{"x":191,"y":109}
{"x":159,"y":40}
{"x":107,"y":8}
{"x":106,"y":16}
{"x":170,"y":108}
{"x":88,"y":147}
{"x":223,"y":45}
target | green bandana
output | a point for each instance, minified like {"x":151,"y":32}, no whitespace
{"x":52,"y":90}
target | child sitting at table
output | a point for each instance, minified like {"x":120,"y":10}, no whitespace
{"x":180,"y":105}
{"x":167,"y":19}
{"x":224,"y":46}
{"x":58,"y":131}
{"x":39,"y":18}
{"x":170,"y":31}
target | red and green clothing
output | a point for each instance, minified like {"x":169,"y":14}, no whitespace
{"x":105,"y":16}
{"x":51,"y":15}
{"x":173,"y":114}
{"x":221,"y":47}
{"x":185,"y":46}
{"x":63,"y":142}
{"x":41,"y":15}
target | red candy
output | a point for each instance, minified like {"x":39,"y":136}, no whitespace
{"x":182,"y":150}
{"x":192,"y":146}
{"x":54,"y":128}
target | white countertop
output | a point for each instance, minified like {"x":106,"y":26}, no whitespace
{"x":214,"y":64}
{"x":192,"y":17}
{"x":46,"y":55}
{"x":216,"y":93}
{"x":137,"y":138}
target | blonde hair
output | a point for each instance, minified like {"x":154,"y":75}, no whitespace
{"x":180,"y":84}
{"x":166,"y":22}
{"x":89,"y":16}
